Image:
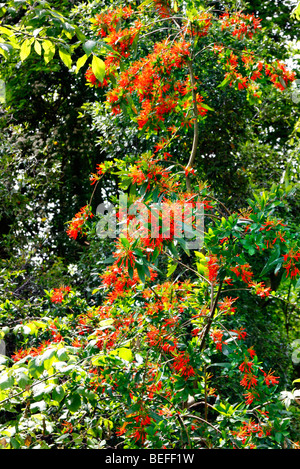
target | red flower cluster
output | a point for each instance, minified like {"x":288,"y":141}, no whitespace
{"x":217,"y":337}
{"x":107,"y":24}
{"x":247,"y":430}
{"x":107,"y":21}
{"x":33,"y":351}
{"x":136,"y":426}
{"x":244,"y":271}
{"x":149,"y":170}
{"x":291,"y":263}
{"x":201,"y":24}
{"x":213,"y":268}
{"x":250,"y":379}
{"x":279,"y":75}
{"x":59,"y":294}
{"x":226,"y":305}
{"x":76,"y":225}
{"x":163,"y":7}
{"x":260,"y":289}
{"x":116,"y":278}
{"x":240,"y":25}
{"x":154,"y":81}
{"x":101,"y":169}
{"x":181,"y":365}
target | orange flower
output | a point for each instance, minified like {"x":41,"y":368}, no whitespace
{"x":59,"y":294}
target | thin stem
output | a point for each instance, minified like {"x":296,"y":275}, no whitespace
{"x":196,"y":126}
{"x":188,"y":267}
{"x":210,"y":318}
{"x":203,"y":421}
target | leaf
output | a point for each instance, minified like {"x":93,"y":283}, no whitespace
{"x":25,"y":49}
{"x":124,"y":353}
{"x":224,"y":82}
{"x":6,"y":31}
{"x":125,"y":242}
{"x":35,"y":368}
{"x":140,"y":271}
{"x":79,"y":34}
{"x":98,"y":360}
{"x":6,"y":381}
{"x":296,"y":12}
{"x":74,"y":402}
{"x":145,"y":3}
{"x":69,"y":30}
{"x":65,"y":57}
{"x":49,"y":50}
{"x":37,"y":47}
{"x":23,"y":380}
{"x":38,"y":406}
{"x":58,"y":393}
{"x":62,"y":354}
{"x":171,"y":269}
{"x":271,"y":263}
{"x":98,"y":67}
{"x":80,"y":62}
{"x":89,"y":46}
{"x":5,"y":49}
{"x":205,"y":106}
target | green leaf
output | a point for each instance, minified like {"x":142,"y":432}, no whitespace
{"x":58,"y":393}
{"x":65,"y":57}
{"x":38,"y":406}
{"x":98,"y":360}
{"x":25,"y":49}
{"x":35,"y":367}
{"x":125,"y":242}
{"x":296,"y":12}
{"x":49,"y":50}
{"x":37,"y":47}
{"x":74,"y":402}
{"x":5,"y":49}
{"x":171,"y":268}
{"x":89,"y":46}
{"x":79,"y":34}
{"x":224,"y":82}
{"x":205,"y":106}
{"x":62,"y":354}
{"x":145,"y":3}
{"x":271,"y":264}
{"x":98,"y":67}
{"x":6,"y":381}
{"x":80,"y":62}
{"x":124,"y":353}
{"x":140,"y":271}
{"x":23,"y":380}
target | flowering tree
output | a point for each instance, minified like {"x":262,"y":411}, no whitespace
{"x":147,"y":364}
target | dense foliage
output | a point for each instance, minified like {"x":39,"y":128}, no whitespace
{"x":150,"y":245}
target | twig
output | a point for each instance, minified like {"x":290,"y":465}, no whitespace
{"x":210,"y":317}
{"x":203,"y":421}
